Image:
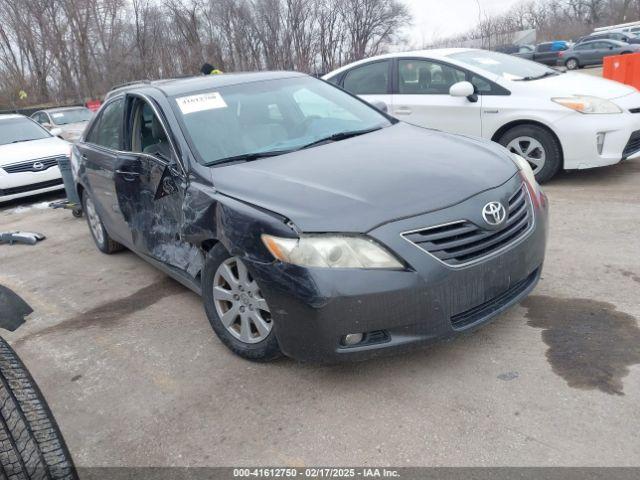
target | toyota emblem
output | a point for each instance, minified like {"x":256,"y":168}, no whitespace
{"x":37,"y":166}
{"x":494,"y":213}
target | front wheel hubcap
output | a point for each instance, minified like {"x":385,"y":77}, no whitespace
{"x":239,"y":302}
{"x":531,"y":150}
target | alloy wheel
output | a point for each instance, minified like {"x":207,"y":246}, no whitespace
{"x":572,"y":64}
{"x":95,"y":224}
{"x":531,"y":150}
{"x":239,"y":302}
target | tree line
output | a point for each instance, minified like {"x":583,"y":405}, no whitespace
{"x":72,"y":50}
{"x":552,"y":20}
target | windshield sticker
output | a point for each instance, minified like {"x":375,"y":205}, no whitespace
{"x":198,"y":103}
{"x":57,"y":115}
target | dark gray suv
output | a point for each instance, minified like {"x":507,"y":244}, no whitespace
{"x":311,"y":223}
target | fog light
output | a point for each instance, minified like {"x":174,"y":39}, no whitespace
{"x":600,"y":142}
{"x":352,"y":339}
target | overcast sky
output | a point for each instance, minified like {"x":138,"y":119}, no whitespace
{"x":443,"y":18}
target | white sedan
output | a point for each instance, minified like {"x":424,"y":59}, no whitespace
{"x":554,"y":120}
{"x":28,"y":158}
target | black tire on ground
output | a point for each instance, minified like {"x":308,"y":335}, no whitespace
{"x":264,"y":351}
{"x":31,"y":445}
{"x":107,"y":244}
{"x":572,"y":64}
{"x":553,"y":151}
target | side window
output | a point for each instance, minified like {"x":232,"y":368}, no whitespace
{"x":109,"y":132}
{"x":92,"y":135}
{"x":370,"y":79}
{"x":545,"y":47}
{"x":426,"y":77}
{"x":147,"y":132}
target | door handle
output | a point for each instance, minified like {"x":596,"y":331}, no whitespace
{"x":403,"y":111}
{"x":128,"y":176}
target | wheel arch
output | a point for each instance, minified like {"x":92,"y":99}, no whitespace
{"x":518,"y":123}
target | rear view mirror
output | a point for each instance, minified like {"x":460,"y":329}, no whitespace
{"x":380,"y":105}
{"x":464,"y":89}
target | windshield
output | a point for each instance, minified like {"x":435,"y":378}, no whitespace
{"x":505,"y":66}
{"x":272,"y":116}
{"x":77,"y":115}
{"x":15,"y":130}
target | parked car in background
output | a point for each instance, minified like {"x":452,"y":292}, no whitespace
{"x":28,"y":158}
{"x":547,"y":52}
{"x":312,"y":224}
{"x":522,"y":51}
{"x":617,"y":36}
{"x":632,"y":28}
{"x":554,"y":120}
{"x":70,"y":120}
{"x":584,"y":54}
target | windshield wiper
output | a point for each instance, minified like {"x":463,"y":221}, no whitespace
{"x":25,"y":140}
{"x":336,"y":137}
{"x":538,"y":77}
{"x":247,"y":157}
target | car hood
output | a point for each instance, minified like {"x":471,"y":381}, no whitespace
{"x":573,"y":83}
{"x":32,"y":150}
{"x":357,"y":184}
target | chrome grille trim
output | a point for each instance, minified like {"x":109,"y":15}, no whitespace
{"x":467,"y":239}
{"x":27,"y":165}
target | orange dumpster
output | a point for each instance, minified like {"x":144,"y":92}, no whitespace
{"x":623,"y":68}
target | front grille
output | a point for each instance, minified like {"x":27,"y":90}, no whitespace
{"x":42,"y":164}
{"x":633,"y":145}
{"x":463,"y":242}
{"x":480,"y":312}
{"x":29,"y":188}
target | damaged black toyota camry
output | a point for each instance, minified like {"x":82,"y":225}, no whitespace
{"x":312,"y":224}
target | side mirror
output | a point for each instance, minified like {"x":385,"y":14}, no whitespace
{"x":380,"y":105}
{"x":464,"y":89}
{"x":47,"y":125}
{"x":56,"y":132}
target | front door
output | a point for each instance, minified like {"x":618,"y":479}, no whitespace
{"x":423,"y":98}
{"x":150,"y":187}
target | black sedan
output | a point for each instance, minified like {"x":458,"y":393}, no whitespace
{"x":311,"y":223}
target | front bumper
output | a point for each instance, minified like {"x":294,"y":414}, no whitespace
{"x":578,"y":134}
{"x":18,"y":185}
{"x":314,"y":308}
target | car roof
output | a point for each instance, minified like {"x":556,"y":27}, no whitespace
{"x":61,"y":109}
{"x":10,"y":116}
{"x":435,"y":53}
{"x":180,"y":86}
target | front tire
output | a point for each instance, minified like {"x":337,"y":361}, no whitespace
{"x":100,"y":236}
{"x":236,"y":308}
{"x":572,"y":64}
{"x":537,"y":146}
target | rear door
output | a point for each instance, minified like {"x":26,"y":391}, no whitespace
{"x":422,"y":97}
{"x":545,"y":54}
{"x":100,"y":154}
{"x":371,"y":81}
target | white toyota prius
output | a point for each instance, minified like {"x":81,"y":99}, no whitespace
{"x":28,"y":158}
{"x":554,"y":120}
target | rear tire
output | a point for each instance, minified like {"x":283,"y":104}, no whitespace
{"x":31,"y":445}
{"x":572,"y":64}
{"x":515,"y":140}
{"x":258,"y":346}
{"x":100,"y":236}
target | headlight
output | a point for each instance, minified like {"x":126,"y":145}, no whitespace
{"x":331,"y":251}
{"x":587,"y":104}
{"x":525,"y":169}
